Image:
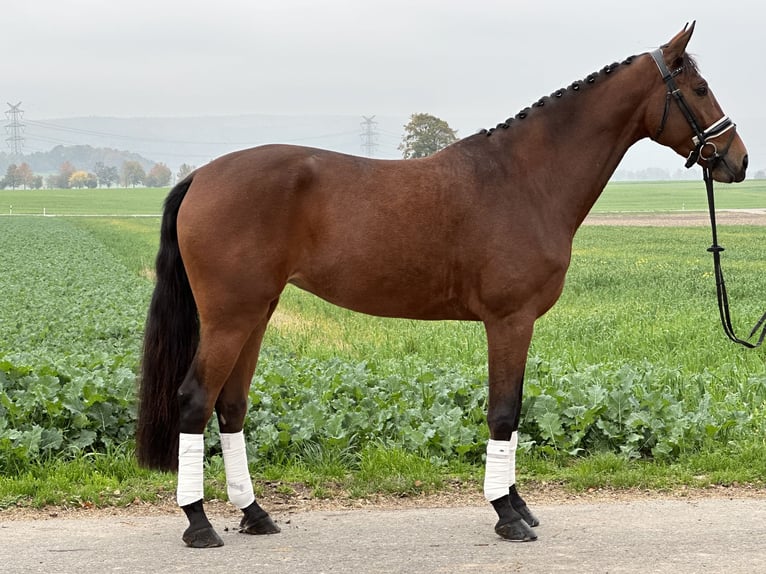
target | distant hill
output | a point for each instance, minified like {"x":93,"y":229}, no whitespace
{"x":82,"y":157}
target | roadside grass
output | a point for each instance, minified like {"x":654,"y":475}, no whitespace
{"x":638,"y":314}
{"x":89,"y":480}
{"x":114,"y":479}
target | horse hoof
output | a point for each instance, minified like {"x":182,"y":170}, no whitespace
{"x":261,"y":525}
{"x":202,"y":538}
{"x":527,"y":515}
{"x":515,"y":531}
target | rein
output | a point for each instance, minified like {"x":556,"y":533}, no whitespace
{"x":701,"y":140}
{"x":723,"y":298}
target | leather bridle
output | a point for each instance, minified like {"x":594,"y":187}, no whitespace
{"x":701,"y":141}
{"x":701,"y":138}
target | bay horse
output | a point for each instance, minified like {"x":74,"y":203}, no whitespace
{"x":480,"y":231}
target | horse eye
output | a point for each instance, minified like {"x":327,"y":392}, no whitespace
{"x":701,"y":91}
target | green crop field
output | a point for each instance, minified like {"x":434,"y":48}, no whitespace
{"x":679,"y":196}
{"x":630,"y":364}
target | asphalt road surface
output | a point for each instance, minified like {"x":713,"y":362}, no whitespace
{"x":707,"y":536}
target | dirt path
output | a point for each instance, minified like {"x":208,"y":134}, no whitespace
{"x":679,"y":218}
{"x":713,"y":534}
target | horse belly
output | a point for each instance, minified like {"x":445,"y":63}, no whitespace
{"x":401,"y":294}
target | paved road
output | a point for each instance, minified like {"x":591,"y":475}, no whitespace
{"x":710,"y":536}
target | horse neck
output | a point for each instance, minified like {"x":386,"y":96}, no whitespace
{"x":566,"y":151}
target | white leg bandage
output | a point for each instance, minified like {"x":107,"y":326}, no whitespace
{"x":238,"y":483}
{"x":191,"y":449}
{"x":512,"y":471}
{"x":500,"y":473}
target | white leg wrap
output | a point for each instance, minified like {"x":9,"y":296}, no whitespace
{"x":512,"y":471}
{"x":191,"y":449}
{"x":496,"y":476}
{"x":238,"y":483}
{"x":500,"y":473}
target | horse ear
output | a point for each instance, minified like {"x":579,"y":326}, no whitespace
{"x":677,"y":46}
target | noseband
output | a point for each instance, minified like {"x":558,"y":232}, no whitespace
{"x":701,"y":138}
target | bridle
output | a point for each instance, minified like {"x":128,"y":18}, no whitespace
{"x":701,"y":141}
{"x":701,"y":138}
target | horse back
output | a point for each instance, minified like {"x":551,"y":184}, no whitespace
{"x":401,"y":238}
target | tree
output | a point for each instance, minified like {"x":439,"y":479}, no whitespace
{"x":11,"y":178}
{"x":159,"y":176}
{"x":77,"y":179}
{"x":20,"y":176}
{"x":61,"y":180}
{"x":107,"y":175}
{"x":185,"y":170}
{"x":36,"y":182}
{"x":25,"y":175}
{"x":424,"y":135}
{"x":132,"y":174}
{"x":80,"y":179}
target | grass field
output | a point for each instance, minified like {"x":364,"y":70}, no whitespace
{"x":135,"y":201}
{"x":618,"y":197}
{"x":630,"y":380}
{"x":679,"y":196}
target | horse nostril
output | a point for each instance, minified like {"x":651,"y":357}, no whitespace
{"x":744,"y":163}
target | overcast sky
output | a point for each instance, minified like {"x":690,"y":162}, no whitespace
{"x":471,"y":62}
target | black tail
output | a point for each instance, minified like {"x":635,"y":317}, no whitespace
{"x":170,"y":341}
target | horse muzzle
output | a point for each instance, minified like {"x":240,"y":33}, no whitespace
{"x":727,"y":164}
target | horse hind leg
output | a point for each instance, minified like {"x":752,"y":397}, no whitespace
{"x":231,"y":408}
{"x":217,"y":359}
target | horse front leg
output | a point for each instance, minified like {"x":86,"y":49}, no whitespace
{"x":508,"y":343}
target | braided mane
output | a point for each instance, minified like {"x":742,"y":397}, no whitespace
{"x":573,"y":88}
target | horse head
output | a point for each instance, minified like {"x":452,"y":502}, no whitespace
{"x":688,"y":118}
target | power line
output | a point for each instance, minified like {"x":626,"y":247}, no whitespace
{"x":369,"y":135}
{"x":15,"y":128}
{"x":155,"y":140}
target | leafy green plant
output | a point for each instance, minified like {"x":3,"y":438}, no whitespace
{"x":622,"y":366}
{"x":70,"y":323}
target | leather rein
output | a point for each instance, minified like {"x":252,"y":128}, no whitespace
{"x":701,"y":141}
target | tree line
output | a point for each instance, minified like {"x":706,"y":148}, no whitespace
{"x":424,"y":135}
{"x":130,"y":174}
